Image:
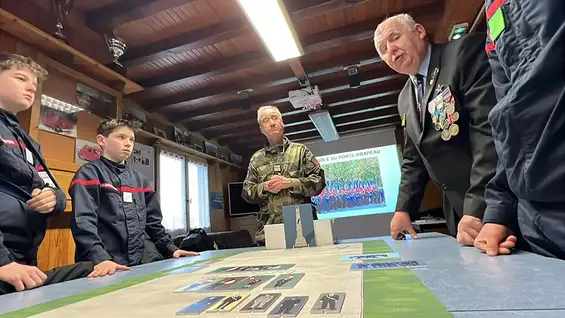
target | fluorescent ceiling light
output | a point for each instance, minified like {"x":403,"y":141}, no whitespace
{"x":270,"y":20}
{"x":323,"y":122}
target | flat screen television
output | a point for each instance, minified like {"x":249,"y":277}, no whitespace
{"x":237,"y":205}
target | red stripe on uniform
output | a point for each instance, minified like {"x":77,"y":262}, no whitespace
{"x":135,"y":190}
{"x":13,"y":142}
{"x":493,"y":7}
{"x":490,"y":47}
{"x":85,"y":182}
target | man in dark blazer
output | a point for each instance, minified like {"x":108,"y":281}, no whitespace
{"x":444,"y":109}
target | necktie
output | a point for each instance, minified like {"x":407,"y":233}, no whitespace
{"x":420,"y":95}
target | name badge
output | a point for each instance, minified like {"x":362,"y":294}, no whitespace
{"x":45,"y":177}
{"x":128,"y":197}
{"x":29,"y":156}
{"x":277,"y":168}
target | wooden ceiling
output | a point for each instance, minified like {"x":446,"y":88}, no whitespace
{"x":193,"y":56}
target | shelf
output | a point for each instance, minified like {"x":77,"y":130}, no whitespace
{"x":47,"y":44}
{"x":177,"y":146}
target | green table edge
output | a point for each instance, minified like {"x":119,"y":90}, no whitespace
{"x":37,"y":309}
{"x":396,"y":292}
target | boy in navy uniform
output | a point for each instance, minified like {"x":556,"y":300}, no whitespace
{"x":28,"y":191}
{"x":114,"y":207}
{"x":527,"y":57}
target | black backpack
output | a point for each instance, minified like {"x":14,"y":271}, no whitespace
{"x":197,"y":240}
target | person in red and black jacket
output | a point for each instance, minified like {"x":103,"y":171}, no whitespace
{"x":114,"y":207}
{"x":28,"y":191}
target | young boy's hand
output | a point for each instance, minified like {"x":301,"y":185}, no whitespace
{"x":107,"y":268}
{"x":43,"y":200}
{"x":22,"y":276}
{"x":183,"y":253}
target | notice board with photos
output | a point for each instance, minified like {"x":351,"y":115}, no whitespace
{"x":143,"y":160}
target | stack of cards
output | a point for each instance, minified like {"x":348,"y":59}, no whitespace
{"x":289,"y":306}
{"x":254,"y":268}
{"x":261,"y":303}
{"x":228,"y":283}
{"x":214,"y":304}
{"x":369,"y":256}
{"x":328,"y":303}
{"x":285,"y":281}
{"x":387,"y":265}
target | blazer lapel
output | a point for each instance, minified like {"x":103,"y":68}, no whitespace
{"x":413,"y":125}
{"x":433,"y":73}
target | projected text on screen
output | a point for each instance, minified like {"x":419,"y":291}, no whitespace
{"x":359,"y":183}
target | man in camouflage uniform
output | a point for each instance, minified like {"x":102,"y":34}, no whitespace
{"x":281,"y":173}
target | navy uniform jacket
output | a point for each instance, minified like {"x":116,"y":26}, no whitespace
{"x":21,"y":229}
{"x":463,"y":164}
{"x":113,"y":207}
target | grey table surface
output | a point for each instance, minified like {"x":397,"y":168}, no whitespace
{"x":468,"y":283}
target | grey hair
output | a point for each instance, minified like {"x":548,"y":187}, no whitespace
{"x":262,"y":109}
{"x":402,"y":18}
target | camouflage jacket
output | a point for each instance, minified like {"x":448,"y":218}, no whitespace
{"x":291,"y":160}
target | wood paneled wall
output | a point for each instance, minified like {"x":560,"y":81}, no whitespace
{"x":219,"y":176}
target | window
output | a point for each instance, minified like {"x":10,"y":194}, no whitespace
{"x":172,"y":192}
{"x":199,"y":203}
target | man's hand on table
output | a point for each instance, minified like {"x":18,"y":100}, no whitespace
{"x":106,"y":268}
{"x":400,"y":225}
{"x":495,"y":239}
{"x":22,"y":277}
{"x":468,"y":229}
{"x":183,"y":253}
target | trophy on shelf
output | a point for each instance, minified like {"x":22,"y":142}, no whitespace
{"x":117,"y":47}
{"x":62,"y":9}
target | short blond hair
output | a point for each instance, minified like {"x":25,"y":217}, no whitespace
{"x":9,"y":61}
{"x":262,"y":109}
{"x":402,"y":18}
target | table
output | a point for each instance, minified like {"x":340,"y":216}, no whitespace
{"x":466,"y":282}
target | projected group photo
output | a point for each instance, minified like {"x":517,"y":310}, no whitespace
{"x":353,"y":184}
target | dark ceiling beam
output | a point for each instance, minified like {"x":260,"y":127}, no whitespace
{"x":354,"y":107}
{"x":335,"y":97}
{"x":364,"y":30}
{"x":206,"y":36}
{"x":256,"y":142}
{"x":325,"y":40}
{"x":305,"y":10}
{"x":283,"y":78}
{"x":338,"y":119}
{"x":190,"y":73}
{"x":121,"y":12}
{"x":185,"y":42}
{"x":327,"y":86}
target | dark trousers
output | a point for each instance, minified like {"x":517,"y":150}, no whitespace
{"x":528,"y":68}
{"x":57,"y":275}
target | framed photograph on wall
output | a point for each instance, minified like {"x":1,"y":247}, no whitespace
{"x":58,"y":116}
{"x":211,"y":149}
{"x":160,"y":133}
{"x":235,"y":158}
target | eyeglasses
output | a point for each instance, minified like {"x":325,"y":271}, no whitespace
{"x":273,"y":117}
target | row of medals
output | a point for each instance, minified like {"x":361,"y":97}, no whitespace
{"x":447,"y":118}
